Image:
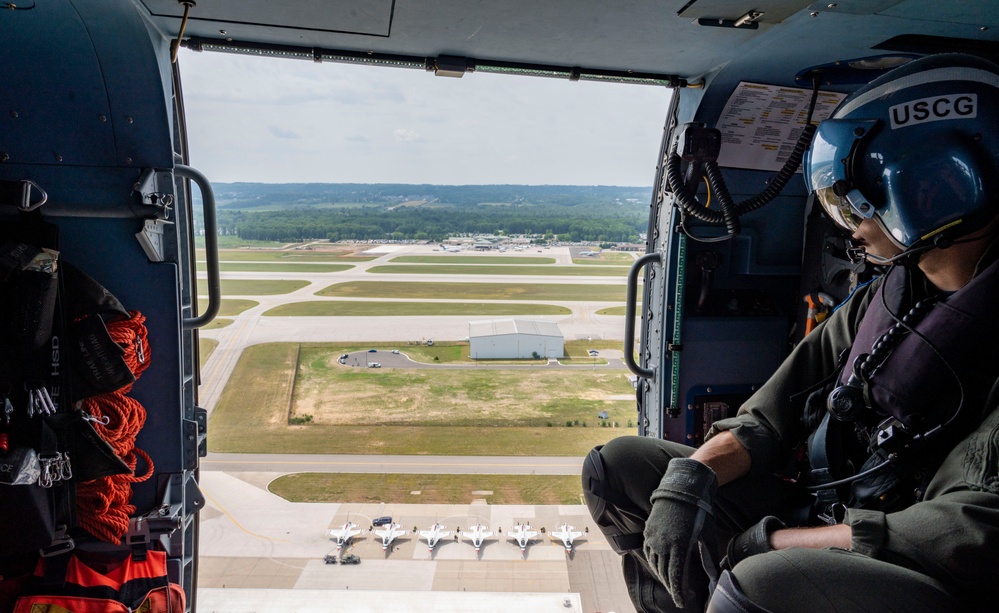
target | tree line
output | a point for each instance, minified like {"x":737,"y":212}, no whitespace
{"x":568,"y":223}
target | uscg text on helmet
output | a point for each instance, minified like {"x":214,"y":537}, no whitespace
{"x":937,"y":108}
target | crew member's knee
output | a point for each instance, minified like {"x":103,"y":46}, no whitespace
{"x":594,"y":482}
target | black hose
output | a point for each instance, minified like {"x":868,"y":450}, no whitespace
{"x":682,"y":196}
{"x":783,"y":175}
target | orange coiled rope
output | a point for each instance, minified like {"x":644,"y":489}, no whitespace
{"x":103,"y":506}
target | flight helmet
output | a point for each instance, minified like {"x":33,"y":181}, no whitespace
{"x":916,"y":150}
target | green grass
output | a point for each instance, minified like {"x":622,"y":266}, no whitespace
{"x":411,"y":411}
{"x":461,"y":269}
{"x":218,"y":322}
{"x":205,"y":348}
{"x":233,"y":242}
{"x":471,"y":259}
{"x":374,"y":309}
{"x":476,"y":291}
{"x":434,"y":489}
{"x":232,"y":307}
{"x":618,"y":310}
{"x":245,"y":255}
{"x":276,"y":267}
{"x":606,"y":258}
{"x":233,"y":287}
{"x":581,"y":346}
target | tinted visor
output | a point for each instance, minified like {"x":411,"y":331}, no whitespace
{"x":828,"y":163}
{"x":838,"y":209}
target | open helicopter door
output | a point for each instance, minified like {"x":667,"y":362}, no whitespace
{"x":101,"y":434}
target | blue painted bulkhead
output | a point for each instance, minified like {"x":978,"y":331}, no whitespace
{"x":86,"y":105}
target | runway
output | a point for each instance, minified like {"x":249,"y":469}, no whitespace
{"x":453,"y":465}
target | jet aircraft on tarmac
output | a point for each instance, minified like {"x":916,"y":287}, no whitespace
{"x":434,"y":535}
{"x":523,"y":535}
{"x":566,"y":534}
{"x":344,"y":534}
{"x":389,"y":533}
{"x":477,"y":534}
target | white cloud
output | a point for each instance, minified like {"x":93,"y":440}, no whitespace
{"x":343,"y":123}
{"x":403,"y":135}
{"x":283,"y":133}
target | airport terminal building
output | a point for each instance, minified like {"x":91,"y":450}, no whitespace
{"x":514,"y":338}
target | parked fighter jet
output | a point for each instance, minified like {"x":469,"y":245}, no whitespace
{"x":433,"y":535}
{"x":522,"y":534}
{"x":477,"y":534}
{"x":566,"y":534}
{"x":389,"y":533}
{"x":344,"y":534}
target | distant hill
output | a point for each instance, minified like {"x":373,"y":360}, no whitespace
{"x":357,"y":211}
{"x":273,"y":196}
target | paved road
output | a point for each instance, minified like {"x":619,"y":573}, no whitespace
{"x":486,"y":465}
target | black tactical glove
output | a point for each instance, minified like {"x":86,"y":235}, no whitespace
{"x":681,"y":513}
{"x":754,"y":541}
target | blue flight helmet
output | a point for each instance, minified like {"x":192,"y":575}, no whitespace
{"x":916,"y":150}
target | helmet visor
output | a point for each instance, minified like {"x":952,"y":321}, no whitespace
{"x":839,"y":209}
{"x":828,"y":164}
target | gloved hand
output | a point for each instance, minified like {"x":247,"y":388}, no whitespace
{"x":681,"y":508}
{"x":754,"y":541}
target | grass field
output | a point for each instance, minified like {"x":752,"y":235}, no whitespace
{"x":433,"y":489}
{"x":245,"y":255}
{"x":277,"y":267}
{"x":234,"y":242}
{"x":607,"y":258}
{"x":232,"y":307}
{"x":411,"y":412}
{"x":476,"y":291}
{"x":233,"y":287}
{"x":375,"y":309}
{"x":218,"y":322}
{"x":205,"y":348}
{"x":618,"y":310}
{"x":468,"y":269}
{"x":471,"y":259}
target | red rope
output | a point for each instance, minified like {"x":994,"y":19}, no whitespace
{"x":103,"y":505}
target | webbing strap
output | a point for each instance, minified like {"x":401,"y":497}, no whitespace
{"x":821,"y":473}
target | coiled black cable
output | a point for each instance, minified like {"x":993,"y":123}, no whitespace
{"x":728,"y":212}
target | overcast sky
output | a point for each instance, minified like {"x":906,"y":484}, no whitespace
{"x":284,"y":121}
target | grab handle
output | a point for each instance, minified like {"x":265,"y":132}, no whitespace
{"x":630,"y":308}
{"x":211,"y":247}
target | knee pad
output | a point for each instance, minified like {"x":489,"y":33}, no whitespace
{"x":728,"y":598}
{"x":593,"y":476}
{"x":623,"y":533}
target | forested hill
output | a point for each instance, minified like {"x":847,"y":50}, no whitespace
{"x":353,"y":211}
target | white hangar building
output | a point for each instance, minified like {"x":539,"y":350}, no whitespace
{"x":514,"y":338}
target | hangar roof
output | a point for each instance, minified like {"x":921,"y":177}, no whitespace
{"x":501,"y":327}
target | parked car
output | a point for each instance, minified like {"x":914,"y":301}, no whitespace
{"x":372,"y":351}
{"x":594,"y":353}
{"x":374,"y":365}
{"x":350,"y":559}
{"x":395,"y":351}
{"x":381,"y":521}
{"x":329,"y":559}
{"x":345,"y":356}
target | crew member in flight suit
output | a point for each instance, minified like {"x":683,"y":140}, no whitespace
{"x":897,"y":505}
